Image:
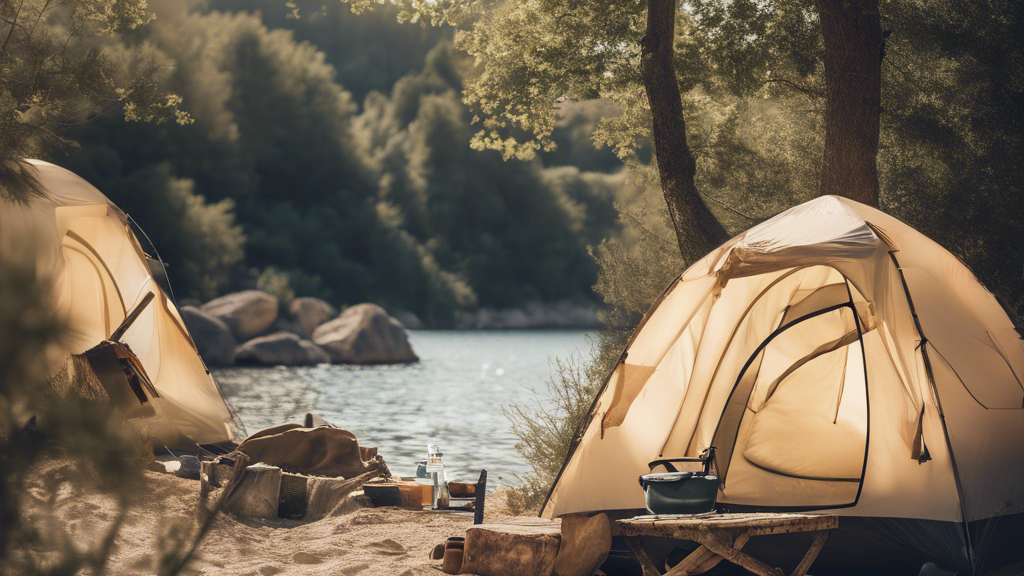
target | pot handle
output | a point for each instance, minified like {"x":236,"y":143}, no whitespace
{"x":707,"y":458}
{"x":667,"y":463}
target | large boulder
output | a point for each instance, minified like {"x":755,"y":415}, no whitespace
{"x":214,"y":340}
{"x":281,"y":348}
{"x":248,"y":313}
{"x":311,"y":313}
{"x":365,"y":334}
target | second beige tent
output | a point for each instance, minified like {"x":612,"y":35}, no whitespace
{"x":838,"y":360}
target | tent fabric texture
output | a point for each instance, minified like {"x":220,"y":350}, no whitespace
{"x":99,"y":273}
{"x":839,"y":361}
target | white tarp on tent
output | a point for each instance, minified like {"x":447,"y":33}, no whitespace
{"x":838,"y":360}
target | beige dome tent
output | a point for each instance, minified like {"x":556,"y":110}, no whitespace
{"x":838,"y":360}
{"x":101,"y":274}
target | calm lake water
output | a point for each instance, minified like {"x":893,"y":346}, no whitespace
{"x":452,"y":397}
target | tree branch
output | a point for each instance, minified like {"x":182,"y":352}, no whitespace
{"x":729,"y":208}
{"x":802,"y":89}
{"x":14,"y":24}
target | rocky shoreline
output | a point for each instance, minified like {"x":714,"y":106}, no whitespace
{"x":254,"y":328}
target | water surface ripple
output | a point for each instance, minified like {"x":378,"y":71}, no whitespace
{"x":452,"y":397}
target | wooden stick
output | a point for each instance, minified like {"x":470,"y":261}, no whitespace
{"x":131,"y":317}
{"x":715,"y":544}
{"x":638,"y":551}
{"x":812,"y":553}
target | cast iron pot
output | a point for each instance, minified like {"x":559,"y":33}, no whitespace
{"x":676,"y":492}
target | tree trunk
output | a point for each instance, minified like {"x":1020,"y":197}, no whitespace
{"x":697,"y":229}
{"x":852,"y":32}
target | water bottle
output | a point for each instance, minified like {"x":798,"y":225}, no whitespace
{"x":435,"y":469}
{"x":442,"y":498}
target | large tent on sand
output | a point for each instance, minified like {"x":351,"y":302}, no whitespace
{"x":839,"y":361}
{"x":107,"y":288}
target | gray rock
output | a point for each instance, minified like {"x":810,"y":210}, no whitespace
{"x":214,"y":340}
{"x":281,"y":348}
{"x":365,"y":334}
{"x":316,"y":353}
{"x":248,"y":313}
{"x":311,"y":313}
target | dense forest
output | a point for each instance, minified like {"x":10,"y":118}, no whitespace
{"x":329,"y":156}
{"x":350,"y":156}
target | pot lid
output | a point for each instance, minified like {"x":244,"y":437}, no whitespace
{"x":666,"y":476}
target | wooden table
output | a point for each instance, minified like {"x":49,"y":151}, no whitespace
{"x":722,"y":537}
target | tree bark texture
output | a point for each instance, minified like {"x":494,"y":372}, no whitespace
{"x":697,"y":229}
{"x":852,"y":32}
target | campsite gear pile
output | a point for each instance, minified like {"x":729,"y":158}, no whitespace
{"x":838,"y":360}
{"x":296,"y":471}
{"x":112,"y":292}
{"x":268,"y":492}
{"x":681,"y":492}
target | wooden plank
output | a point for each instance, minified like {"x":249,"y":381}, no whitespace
{"x":645,"y":561}
{"x":791,"y":529}
{"x":762,"y":519}
{"x":762,"y":524}
{"x":811,"y":555}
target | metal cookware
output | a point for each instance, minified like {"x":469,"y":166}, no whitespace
{"x":682,"y":492}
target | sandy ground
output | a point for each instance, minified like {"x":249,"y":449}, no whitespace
{"x":364,"y":542}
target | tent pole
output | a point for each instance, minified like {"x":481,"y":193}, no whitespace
{"x":867,"y":391}
{"x":942,"y":414}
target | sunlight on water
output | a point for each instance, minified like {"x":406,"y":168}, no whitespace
{"x":452,"y":397}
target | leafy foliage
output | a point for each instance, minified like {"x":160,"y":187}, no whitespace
{"x":388,"y":203}
{"x":55,"y":74}
{"x":546,"y":429}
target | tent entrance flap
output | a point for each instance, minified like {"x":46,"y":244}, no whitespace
{"x":794,"y":430}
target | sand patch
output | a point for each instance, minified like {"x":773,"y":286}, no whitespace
{"x":363,"y":542}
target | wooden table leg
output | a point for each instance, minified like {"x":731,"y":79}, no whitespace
{"x":738,"y":544}
{"x":715,"y":544}
{"x":638,"y":551}
{"x":812,"y":553}
{"x":692,"y":563}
